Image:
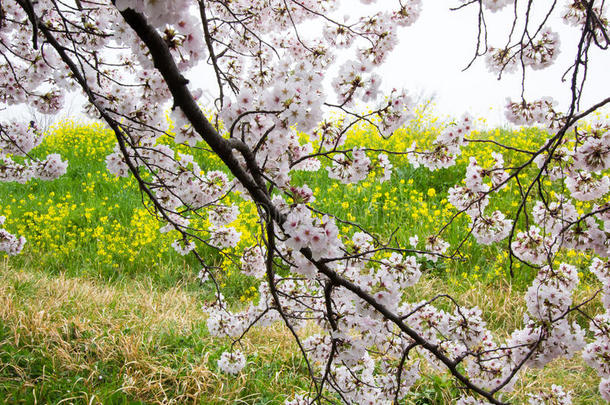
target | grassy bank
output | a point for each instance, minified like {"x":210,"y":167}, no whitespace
{"x":72,"y":340}
{"x":98,"y":308}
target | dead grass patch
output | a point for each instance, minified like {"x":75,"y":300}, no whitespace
{"x":156,"y":349}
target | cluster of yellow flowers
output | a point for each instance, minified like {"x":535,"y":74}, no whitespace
{"x":79,"y":140}
{"x":91,"y":218}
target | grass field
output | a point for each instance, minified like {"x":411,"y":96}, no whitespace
{"x":98,"y":308}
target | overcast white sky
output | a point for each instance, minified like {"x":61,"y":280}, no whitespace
{"x":440,"y":44}
{"x":433,"y":52}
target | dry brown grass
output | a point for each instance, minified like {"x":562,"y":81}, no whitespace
{"x":79,"y":324}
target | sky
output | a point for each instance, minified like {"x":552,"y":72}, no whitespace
{"x":433,"y":52}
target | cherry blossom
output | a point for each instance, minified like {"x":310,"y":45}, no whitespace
{"x":9,"y":243}
{"x":232,"y":362}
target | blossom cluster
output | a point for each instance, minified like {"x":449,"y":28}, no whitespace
{"x":17,"y":140}
{"x":446,"y":147}
{"x":524,"y":113}
{"x":535,"y":53}
{"x":9,"y":243}
{"x":232,"y":362}
{"x":575,"y":14}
